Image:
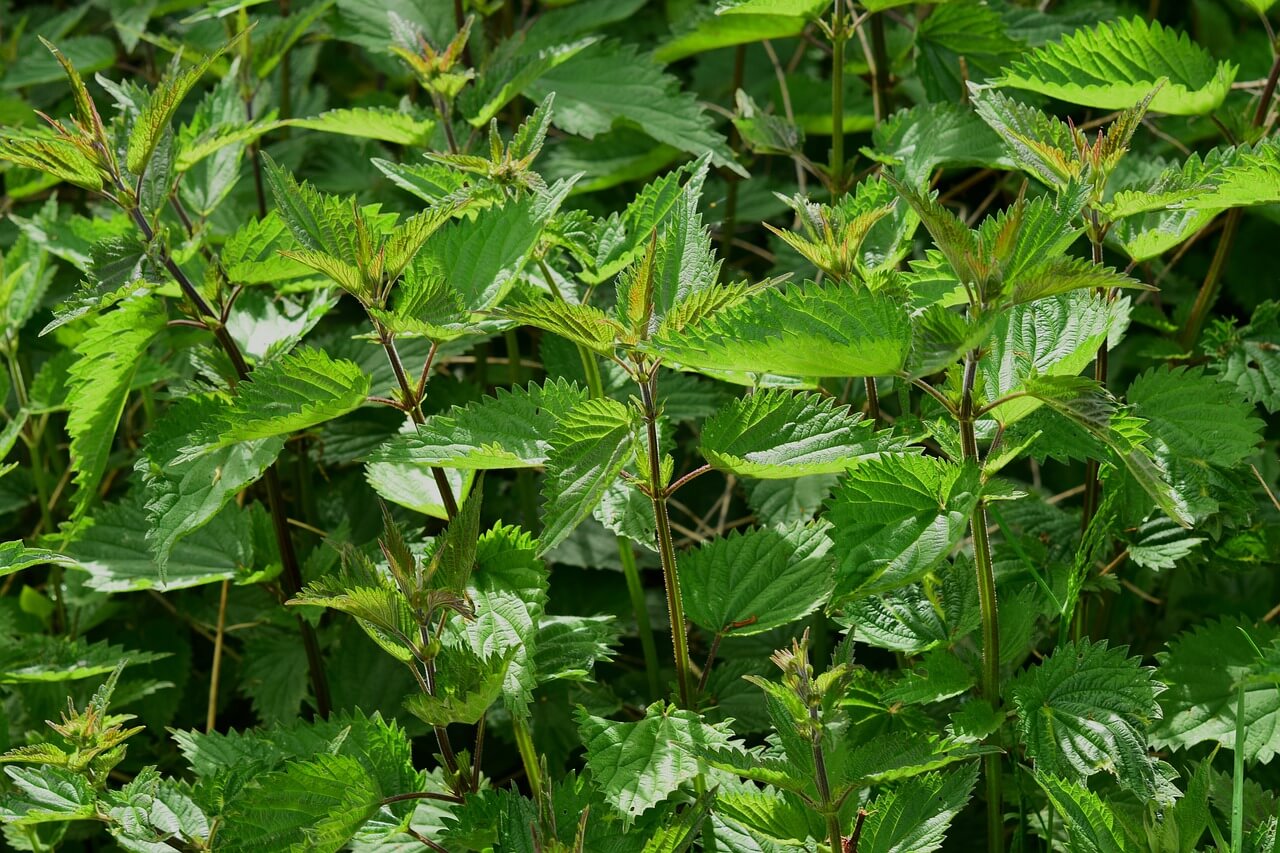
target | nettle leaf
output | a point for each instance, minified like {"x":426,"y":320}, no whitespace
{"x":513,"y":429}
{"x":45,"y":152}
{"x":748,"y":583}
{"x":638,"y":765}
{"x":1085,"y":709}
{"x":1057,"y":336}
{"x":310,"y":805}
{"x":118,"y":556}
{"x":295,"y":392}
{"x":382,"y":123}
{"x":806,"y":330}
{"x":1115,"y":64}
{"x":1094,"y":826}
{"x":99,"y":382}
{"x":895,"y":519}
{"x":37,"y":658}
{"x":915,"y":816}
{"x":926,"y":137}
{"x":738,"y":22}
{"x":1040,"y":144}
{"x":569,"y":646}
{"x":15,"y":556}
{"x":585,"y":325}
{"x":775,"y":434}
{"x":151,"y":809}
{"x":1203,"y":669}
{"x":1248,"y":357}
{"x":1246,"y":177}
{"x":588,"y":449}
{"x":156,"y":114}
{"x":482,"y":256}
{"x":466,"y":685}
{"x":184,"y":494}
{"x":610,"y":83}
{"x":1088,"y":405}
{"x":47,"y":795}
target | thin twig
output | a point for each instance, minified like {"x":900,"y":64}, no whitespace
{"x":211,"y":715}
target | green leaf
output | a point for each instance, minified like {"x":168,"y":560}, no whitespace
{"x":1056,"y":336}
{"x":467,"y":684}
{"x":748,"y":583}
{"x":295,"y":392}
{"x":383,"y":123}
{"x":109,"y":355}
{"x":929,"y":136}
{"x":1202,"y":669}
{"x":610,"y":83}
{"x":150,"y":809}
{"x":118,"y":555}
{"x":47,"y":794}
{"x":1248,"y":356}
{"x":1088,"y":405}
{"x":184,"y":494}
{"x":15,"y":556}
{"x":588,"y":449}
{"x":775,"y":434}
{"x":638,"y":765}
{"x":37,"y":658}
{"x":50,"y":154}
{"x":895,"y":519}
{"x":1039,"y":143}
{"x":310,"y":805}
{"x":807,"y":330}
{"x":483,"y":256}
{"x":914,"y":817}
{"x":1086,"y":709}
{"x":568,"y":647}
{"x":155,"y":115}
{"x":1115,"y":64}
{"x":585,"y":325}
{"x":741,"y":22}
{"x":1093,"y":826}
{"x":513,"y":429}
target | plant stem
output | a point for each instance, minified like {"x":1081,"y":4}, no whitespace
{"x":528,"y":755}
{"x":414,"y":405}
{"x":291,"y":572}
{"x":666,"y":546}
{"x":836,"y":168}
{"x":626,"y":553}
{"x":987,"y":605}
{"x":880,"y":88}
{"x":1092,"y":485}
{"x":728,"y":225}
{"x":211,"y":715}
{"x":1237,"y":776}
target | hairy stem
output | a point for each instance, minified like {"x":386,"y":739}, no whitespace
{"x":836,"y":168}
{"x":291,"y":571}
{"x":666,"y":546}
{"x":987,"y":605}
{"x":626,"y":553}
{"x":211,"y":713}
{"x":414,"y":404}
{"x":1092,"y":485}
{"x":528,"y":755}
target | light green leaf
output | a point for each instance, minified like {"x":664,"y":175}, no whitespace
{"x":1086,"y":708}
{"x":638,"y":765}
{"x":310,"y":805}
{"x":747,"y":583}
{"x":1094,"y":827}
{"x":775,"y":434}
{"x":39,"y":658}
{"x":610,"y":83}
{"x":15,"y":556}
{"x":1248,"y":356}
{"x":895,"y":519}
{"x":588,"y":449}
{"x":383,"y":123}
{"x":510,"y":430}
{"x":155,"y":115}
{"x":914,"y":817}
{"x":467,"y":684}
{"x":807,"y":330}
{"x":184,"y":493}
{"x":109,"y":355}
{"x":295,"y":392}
{"x":1056,"y":336}
{"x":742,"y":22}
{"x":1115,"y":64}
{"x":47,"y":795}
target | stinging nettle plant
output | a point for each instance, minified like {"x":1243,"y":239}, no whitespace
{"x":542,"y":427}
